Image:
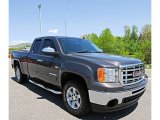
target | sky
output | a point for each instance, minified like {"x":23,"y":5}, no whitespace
{"x":81,"y":16}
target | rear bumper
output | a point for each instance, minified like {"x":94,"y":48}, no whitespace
{"x":112,"y":101}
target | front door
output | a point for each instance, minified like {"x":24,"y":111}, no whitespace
{"x":48,"y":65}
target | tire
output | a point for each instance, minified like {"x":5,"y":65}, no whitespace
{"x":81,"y":100}
{"x":20,"y":78}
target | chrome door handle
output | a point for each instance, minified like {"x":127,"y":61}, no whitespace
{"x":39,"y":60}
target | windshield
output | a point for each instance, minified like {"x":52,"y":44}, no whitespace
{"x":76,"y":45}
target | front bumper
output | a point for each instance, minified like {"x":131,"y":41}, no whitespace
{"x":120,"y":99}
{"x":103,"y":108}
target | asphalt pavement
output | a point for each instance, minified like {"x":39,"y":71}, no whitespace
{"x":30,"y":102}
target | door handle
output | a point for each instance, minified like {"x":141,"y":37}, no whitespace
{"x":39,"y":60}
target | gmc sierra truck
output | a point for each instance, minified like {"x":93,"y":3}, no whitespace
{"x":88,"y":79}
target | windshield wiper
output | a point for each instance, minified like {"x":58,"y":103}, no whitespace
{"x":85,"y":51}
{"x":99,"y":52}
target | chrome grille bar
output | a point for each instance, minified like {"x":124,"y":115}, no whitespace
{"x":128,"y":74}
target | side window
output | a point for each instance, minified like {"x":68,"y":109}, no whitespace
{"x":48,"y":43}
{"x":36,"y":46}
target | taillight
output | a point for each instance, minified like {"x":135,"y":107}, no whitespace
{"x":11,"y":56}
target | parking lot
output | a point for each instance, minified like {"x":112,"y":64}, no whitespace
{"x":29,"y":102}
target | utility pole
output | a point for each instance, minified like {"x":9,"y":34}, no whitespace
{"x":40,"y":18}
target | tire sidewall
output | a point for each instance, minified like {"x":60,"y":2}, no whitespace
{"x":71,"y":110}
{"x":18,"y":80}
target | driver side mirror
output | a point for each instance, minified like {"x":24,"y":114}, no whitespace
{"x":49,"y":51}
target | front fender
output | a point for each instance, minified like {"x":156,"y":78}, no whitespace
{"x":83,"y":70}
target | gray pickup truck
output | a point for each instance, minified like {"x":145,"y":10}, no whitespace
{"x":87,"y":78}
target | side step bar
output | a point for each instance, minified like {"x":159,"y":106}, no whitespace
{"x":51,"y":90}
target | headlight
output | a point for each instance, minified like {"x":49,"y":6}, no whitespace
{"x":107,"y":75}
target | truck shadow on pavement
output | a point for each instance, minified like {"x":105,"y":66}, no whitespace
{"x":57,"y":100}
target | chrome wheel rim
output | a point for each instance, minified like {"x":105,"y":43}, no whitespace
{"x":73,"y":98}
{"x":18,"y":73}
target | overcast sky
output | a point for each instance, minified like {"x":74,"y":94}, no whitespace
{"x":81,"y":16}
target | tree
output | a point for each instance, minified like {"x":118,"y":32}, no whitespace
{"x":130,"y":44}
{"x":127,"y":32}
{"x":144,"y":52}
{"x":106,"y":41}
{"x":146,"y":32}
{"x":94,"y":38}
{"x":134,"y":33}
{"x":120,"y":46}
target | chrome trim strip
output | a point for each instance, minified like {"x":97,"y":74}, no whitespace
{"x":102,"y":98}
{"x":130,"y":65}
{"x":39,"y":60}
{"x":52,"y":74}
{"x":51,"y":90}
{"x":134,"y":82}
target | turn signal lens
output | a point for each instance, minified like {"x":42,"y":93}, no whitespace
{"x":101,"y":74}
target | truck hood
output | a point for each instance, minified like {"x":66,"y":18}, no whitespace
{"x":104,"y":58}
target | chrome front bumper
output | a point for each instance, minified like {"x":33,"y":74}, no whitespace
{"x":102,"y":98}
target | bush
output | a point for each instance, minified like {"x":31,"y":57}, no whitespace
{"x":130,"y":44}
{"x":144,"y":52}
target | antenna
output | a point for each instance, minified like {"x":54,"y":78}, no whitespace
{"x":66,"y":28}
{"x":40,"y":18}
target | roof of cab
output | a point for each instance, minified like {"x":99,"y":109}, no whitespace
{"x":55,"y":37}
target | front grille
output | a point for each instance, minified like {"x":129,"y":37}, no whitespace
{"x":132,"y":74}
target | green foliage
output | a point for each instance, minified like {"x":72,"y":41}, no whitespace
{"x":144,"y":52}
{"x":127,"y":32}
{"x":106,"y":41}
{"x":131,"y":44}
{"x":120,"y":47}
{"x":19,"y":47}
{"x":92,"y":37}
{"x":146,"y":32}
{"x":14,"y":49}
{"x":134,"y":35}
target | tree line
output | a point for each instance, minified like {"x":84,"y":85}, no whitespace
{"x":131,"y":44}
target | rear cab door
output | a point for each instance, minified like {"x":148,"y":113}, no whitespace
{"x":33,"y":57}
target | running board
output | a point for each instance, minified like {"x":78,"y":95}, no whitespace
{"x":51,"y":90}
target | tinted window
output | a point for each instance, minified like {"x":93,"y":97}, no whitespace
{"x":36,"y":46}
{"x":48,"y":43}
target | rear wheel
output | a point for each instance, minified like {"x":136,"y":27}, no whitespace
{"x":75,"y":98}
{"x":20,"y":78}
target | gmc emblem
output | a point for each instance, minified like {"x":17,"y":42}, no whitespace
{"x":137,"y":73}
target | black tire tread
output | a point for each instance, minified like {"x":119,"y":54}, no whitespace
{"x":86,"y":108}
{"x":23,"y":77}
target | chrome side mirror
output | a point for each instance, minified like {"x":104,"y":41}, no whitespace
{"x":49,"y":51}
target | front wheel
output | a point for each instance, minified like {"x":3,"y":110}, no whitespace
{"x":75,"y":98}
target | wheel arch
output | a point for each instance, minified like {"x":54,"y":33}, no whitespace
{"x":67,"y":76}
{"x":17,"y":62}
